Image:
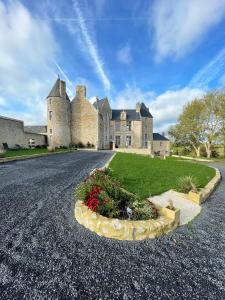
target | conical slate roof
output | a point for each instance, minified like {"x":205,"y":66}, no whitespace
{"x":55,"y":91}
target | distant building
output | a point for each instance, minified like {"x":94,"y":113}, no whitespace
{"x":13,"y":134}
{"x":78,"y":122}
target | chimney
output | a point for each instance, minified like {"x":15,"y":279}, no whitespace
{"x":138,"y":107}
{"x":80,"y":92}
{"x":62,"y":89}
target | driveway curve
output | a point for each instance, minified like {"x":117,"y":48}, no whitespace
{"x":46,"y":254}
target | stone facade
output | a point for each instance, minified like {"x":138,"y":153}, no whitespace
{"x":13,"y":133}
{"x":78,"y":122}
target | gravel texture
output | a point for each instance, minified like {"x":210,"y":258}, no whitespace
{"x":46,"y":254}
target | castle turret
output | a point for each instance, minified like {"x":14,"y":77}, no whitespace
{"x":58,"y":115}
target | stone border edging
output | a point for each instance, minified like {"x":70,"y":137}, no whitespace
{"x":126,"y":229}
{"x":193,"y":158}
{"x":207,"y":190}
{"x":22,"y":157}
{"x":109,"y":161}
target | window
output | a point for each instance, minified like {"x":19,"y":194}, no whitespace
{"x":129,"y":125}
{"x":128,"y":140}
{"x":117,"y":125}
{"x":50,"y":101}
{"x":117,"y":140}
{"x":50,"y":115}
{"x":50,"y":130}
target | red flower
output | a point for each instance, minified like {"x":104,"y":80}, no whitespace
{"x":92,"y":203}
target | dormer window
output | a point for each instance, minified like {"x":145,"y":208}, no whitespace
{"x":123,"y":115}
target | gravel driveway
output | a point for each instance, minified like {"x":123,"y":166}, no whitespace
{"x":46,"y":254}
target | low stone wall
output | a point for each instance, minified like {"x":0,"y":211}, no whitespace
{"x":143,"y":151}
{"x":193,"y":158}
{"x":126,"y":229}
{"x":201,"y":196}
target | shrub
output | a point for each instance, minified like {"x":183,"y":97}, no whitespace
{"x":51,"y":149}
{"x":104,"y":194}
{"x":82,"y":190}
{"x":80,"y":145}
{"x":186,"y":184}
{"x":146,"y":211}
{"x":2,"y":154}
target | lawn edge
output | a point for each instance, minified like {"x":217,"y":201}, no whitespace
{"x":23,"y":157}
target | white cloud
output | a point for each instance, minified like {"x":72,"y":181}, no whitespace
{"x":2,"y":102}
{"x":91,"y":48}
{"x":27,"y":47}
{"x":164,"y":107}
{"x":179,"y":26}
{"x":167,"y":106}
{"x":124,"y":55}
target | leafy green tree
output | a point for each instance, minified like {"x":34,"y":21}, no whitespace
{"x":221,"y":114}
{"x":211,"y":121}
{"x":189,"y":131}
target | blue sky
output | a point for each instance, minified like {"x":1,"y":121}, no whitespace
{"x":162,"y":52}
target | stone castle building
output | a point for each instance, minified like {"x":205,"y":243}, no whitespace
{"x":79,"y":122}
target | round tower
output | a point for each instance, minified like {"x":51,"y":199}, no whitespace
{"x":77,"y":109}
{"x":58,"y":116}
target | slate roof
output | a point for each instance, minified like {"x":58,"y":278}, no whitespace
{"x":55,"y":91}
{"x":145,"y":111}
{"x":130,"y":113}
{"x":159,"y":137}
{"x":36,"y":129}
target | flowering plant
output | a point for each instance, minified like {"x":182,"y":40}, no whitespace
{"x":103,"y":194}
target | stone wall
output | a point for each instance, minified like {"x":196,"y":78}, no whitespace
{"x":147,"y":131}
{"x":58,"y":122}
{"x":143,"y":151}
{"x":84,"y":121}
{"x":163,"y":147}
{"x":137,"y":134}
{"x":104,"y":130}
{"x":12,"y":133}
{"x":125,"y":229}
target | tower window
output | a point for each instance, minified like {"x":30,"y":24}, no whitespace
{"x":50,"y":115}
{"x":50,"y":130}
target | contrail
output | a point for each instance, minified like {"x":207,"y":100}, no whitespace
{"x":210,"y":71}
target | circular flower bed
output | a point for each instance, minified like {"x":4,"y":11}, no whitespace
{"x":103,"y":194}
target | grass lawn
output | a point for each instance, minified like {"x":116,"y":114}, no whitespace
{"x":152,"y":176}
{"x":21,"y":152}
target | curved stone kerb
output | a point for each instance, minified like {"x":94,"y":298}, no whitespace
{"x":125,"y":229}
